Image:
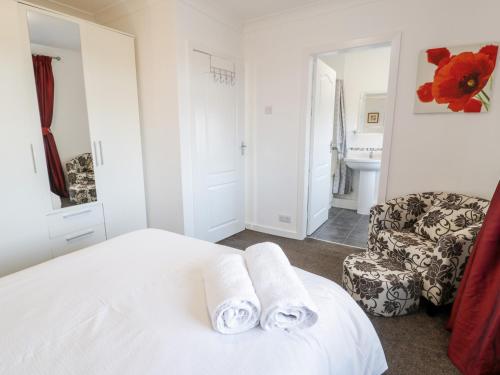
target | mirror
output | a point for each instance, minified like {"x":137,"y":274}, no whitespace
{"x":372,"y":112}
{"x":58,"y":68}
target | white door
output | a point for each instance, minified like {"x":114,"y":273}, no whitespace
{"x":320,"y":167}
{"x":217,"y":153}
{"x":24,"y":185}
{"x":113,"y":112}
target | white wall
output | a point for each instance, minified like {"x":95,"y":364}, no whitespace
{"x":70,"y":123}
{"x":453,"y":152}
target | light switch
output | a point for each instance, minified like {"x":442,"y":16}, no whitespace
{"x":268,"y":110}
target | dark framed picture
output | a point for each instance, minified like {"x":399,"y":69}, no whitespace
{"x":373,"y":117}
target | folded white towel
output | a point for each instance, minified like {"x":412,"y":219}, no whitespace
{"x":285,"y":302}
{"x":232,"y":303}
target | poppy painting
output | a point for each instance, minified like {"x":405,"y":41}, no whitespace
{"x":457,"y":79}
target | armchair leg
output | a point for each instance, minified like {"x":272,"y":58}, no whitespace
{"x":431,"y":309}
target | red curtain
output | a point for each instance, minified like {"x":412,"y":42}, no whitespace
{"x":45,"y":90}
{"x":475,"y":319}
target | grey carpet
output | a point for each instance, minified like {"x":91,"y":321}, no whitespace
{"x":413,"y":344}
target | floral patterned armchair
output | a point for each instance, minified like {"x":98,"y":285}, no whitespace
{"x":430,"y":233}
{"x":81,"y":179}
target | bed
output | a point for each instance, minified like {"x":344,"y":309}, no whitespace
{"x":136,"y":305}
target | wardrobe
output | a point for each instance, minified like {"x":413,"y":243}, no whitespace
{"x":32,"y":229}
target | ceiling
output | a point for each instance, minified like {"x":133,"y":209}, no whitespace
{"x":250,"y":9}
{"x":87,"y":6}
{"x":243,"y":9}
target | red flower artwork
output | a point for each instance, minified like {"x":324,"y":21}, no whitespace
{"x":460,"y":80}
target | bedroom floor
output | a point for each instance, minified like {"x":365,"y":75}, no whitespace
{"x":413,"y":344}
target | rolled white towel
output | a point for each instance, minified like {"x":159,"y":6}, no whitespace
{"x":285,"y":302}
{"x":232,"y":303}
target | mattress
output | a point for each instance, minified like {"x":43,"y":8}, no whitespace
{"x":136,"y":305}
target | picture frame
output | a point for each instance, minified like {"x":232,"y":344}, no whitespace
{"x":373,"y":118}
{"x":456,"y":79}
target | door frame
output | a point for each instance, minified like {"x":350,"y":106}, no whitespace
{"x":310,"y":55}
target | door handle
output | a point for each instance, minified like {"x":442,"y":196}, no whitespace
{"x":96,"y":156}
{"x":243,"y":147}
{"x":100,"y":150}
{"x":33,"y":158}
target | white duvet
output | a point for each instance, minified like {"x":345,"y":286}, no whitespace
{"x":136,"y":305}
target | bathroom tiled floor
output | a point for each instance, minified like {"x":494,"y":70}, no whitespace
{"x":345,"y":227}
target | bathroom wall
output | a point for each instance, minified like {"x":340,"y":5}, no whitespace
{"x":364,"y":70}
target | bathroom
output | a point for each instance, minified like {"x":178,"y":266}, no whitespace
{"x":360,"y":100}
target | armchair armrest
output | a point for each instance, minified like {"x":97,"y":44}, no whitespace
{"x":449,"y":260}
{"x":397,"y":214}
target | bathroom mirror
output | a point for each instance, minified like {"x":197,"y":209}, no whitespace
{"x":372,"y":112}
{"x":59,"y":79}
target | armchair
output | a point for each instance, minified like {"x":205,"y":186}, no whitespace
{"x":82,"y":188}
{"x":429,"y":233}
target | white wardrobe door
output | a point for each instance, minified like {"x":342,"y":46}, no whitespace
{"x":24,"y":186}
{"x":113,"y":112}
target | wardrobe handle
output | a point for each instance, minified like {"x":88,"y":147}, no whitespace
{"x":72,"y":238}
{"x":67,"y":216}
{"x":95,"y":155}
{"x":100,"y":150}
{"x":33,"y":158}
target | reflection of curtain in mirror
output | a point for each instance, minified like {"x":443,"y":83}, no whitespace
{"x":45,"y":91}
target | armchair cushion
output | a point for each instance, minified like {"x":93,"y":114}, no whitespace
{"x":407,"y":248}
{"x":81,"y":178}
{"x":441,"y":220}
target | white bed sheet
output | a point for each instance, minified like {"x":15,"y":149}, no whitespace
{"x":136,"y":305}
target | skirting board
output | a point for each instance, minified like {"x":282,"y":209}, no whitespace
{"x":275,"y":231}
{"x":349,"y":204}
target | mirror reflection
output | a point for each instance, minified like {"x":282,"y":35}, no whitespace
{"x":372,"y":112}
{"x":57,"y":64}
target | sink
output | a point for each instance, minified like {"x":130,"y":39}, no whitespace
{"x":363,"y":164}
{"x":368,"y":181}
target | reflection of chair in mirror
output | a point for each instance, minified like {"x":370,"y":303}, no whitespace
{"x":81,"y":179}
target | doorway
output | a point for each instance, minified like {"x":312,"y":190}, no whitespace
{"x":350,"y":111}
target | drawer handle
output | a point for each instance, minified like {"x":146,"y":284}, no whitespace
{"x":72,"y":238}
{"x":67,"y":216}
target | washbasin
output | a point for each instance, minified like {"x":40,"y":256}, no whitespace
{"x":368,"y":181}
{"x":363,"y":164}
